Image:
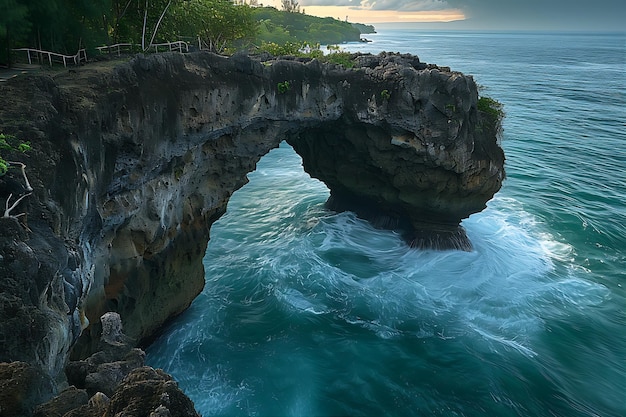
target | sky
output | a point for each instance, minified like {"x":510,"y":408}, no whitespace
{"x":577,"y":15}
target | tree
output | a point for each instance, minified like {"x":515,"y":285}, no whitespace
{"x":65,"y":26}
{"x":140,"y":20}
{"x":14,"y":27}
{"x":156,"y":25}
{"x":216,"y":23}
{"x":290,"y":6}
{"x":279,"y":26}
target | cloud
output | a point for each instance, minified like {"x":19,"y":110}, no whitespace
{"x":399,"y":5}
{"x":555,"y":13}
{"x":405,"y":6}
{"x":485,"y":7}
{"x":506,"y":13}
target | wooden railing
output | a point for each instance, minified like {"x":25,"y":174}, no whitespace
{"x":179,"y":46}
{"x":80,"y":56}
{"x":117,"y":48}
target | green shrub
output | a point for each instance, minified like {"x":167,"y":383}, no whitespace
{"x":287,"y":48}
{"x":283,"y":87}
{"x":23,"y":147}
{"x":11,"y":144}
{"x":492,"y":114}
{"x":491,"y":107}
{"x":339,"y":58}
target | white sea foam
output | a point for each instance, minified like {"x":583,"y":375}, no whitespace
{"x":309,"y":312}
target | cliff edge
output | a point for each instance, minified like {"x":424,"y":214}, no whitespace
{"x":131,"y":163}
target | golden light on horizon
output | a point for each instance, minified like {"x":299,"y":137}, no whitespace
{"x":439,"y":16}
{"x":368,"y":16}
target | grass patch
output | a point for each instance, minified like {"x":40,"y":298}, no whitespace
{"x":491,"y":107}
{"x":491,"y":113}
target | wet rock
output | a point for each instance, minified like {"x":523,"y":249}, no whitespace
{"x":95,"y":407}
{"x":104,"y":370}
{"x":107,"y":376}
{"x":68,"y":400}
{"x":22,"y":386}
{"x":150,"y":392}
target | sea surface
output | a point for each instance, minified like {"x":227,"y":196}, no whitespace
{"x":311,"y":313}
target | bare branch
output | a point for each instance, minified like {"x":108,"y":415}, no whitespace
{"x":7,"y":209}
{"x":143,"y":34}
{"x":124,"y":12}
{"x":156,"y":27}
{"x":23,"y":169}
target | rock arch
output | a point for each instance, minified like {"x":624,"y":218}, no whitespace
{"x":133,"y":163}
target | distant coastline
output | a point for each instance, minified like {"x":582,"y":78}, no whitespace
{"x":470,"y":26}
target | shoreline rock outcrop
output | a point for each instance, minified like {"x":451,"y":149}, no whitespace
{"x":114,"y":381}
{"x":131,"y":163}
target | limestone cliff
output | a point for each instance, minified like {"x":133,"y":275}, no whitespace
{"x":132,"y":163}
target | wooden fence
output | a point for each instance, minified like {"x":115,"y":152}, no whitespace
{"x":117,"y":48}
{"x":31,"y":53}
{"x":179,"y":46}
{"x":81,"y":55}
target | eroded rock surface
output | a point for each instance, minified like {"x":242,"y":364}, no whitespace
{"x":408,"y":151}
{"x":114,"y":359}
{"x":22,"y":386}
{"x":148,"y":391}
{"x":132,"y":163}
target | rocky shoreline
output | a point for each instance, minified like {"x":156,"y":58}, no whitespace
{"x":111,"y":382}
{"x":131,"y":163}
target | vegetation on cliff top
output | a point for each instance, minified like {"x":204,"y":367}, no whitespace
{"x":64,"y":26}
{"x":280,"y":27}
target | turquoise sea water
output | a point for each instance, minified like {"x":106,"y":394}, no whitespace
{"x":310,"y":313}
